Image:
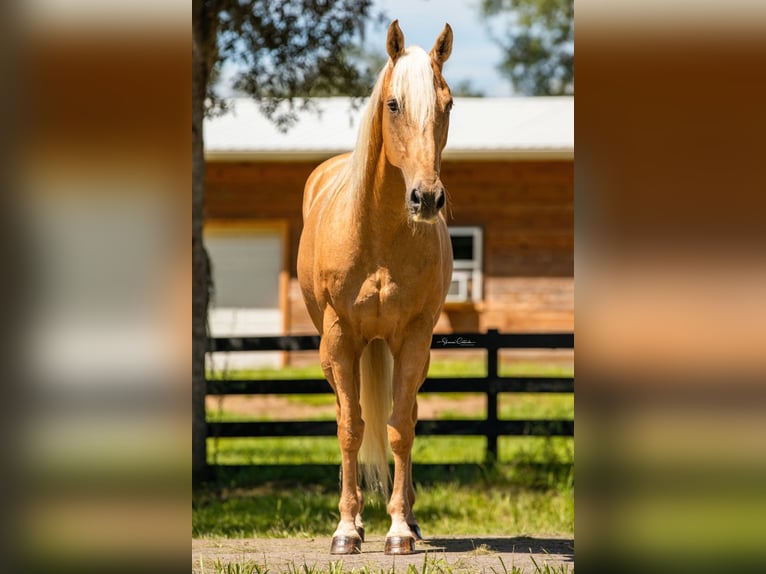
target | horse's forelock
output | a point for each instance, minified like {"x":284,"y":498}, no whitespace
{"x":412,"y":84}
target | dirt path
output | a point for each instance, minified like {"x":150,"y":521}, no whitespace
{"x":282,"y":408}
{"x":469,"y":555}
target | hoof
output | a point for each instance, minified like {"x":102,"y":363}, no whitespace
{"x":345,"y":545}
{"x":399,"y":545}
{"x":415,"y":530}
{"x":360,"y":531}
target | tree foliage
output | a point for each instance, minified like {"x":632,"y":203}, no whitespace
{"x":466,"y":89}
{"x":537,"y":37}
{"x":283,"y":49}
{"x":287,"y":51}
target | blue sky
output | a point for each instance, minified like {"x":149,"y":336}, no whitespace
{"x":474,"y":55}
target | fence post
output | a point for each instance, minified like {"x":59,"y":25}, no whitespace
{"x":492,"y":374}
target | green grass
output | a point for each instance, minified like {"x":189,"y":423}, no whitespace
{"x":528,"y":491}
{"x":532,"y":495}
{"x":535,"y":406}
{"x":438,"y":368}
{"x":447,"y":508}
{"x":269,"y":374}
{"x":426,"y":450}
{"x":274,"y":450}
{"x":431,"y":565}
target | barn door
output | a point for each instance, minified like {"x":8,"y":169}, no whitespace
{"x":248,"y":263}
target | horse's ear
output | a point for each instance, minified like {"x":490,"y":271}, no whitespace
{"x":395,"y":41}
{"x":443,"y":46}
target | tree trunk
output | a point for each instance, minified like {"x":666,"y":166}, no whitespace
{"x":200,"y":264}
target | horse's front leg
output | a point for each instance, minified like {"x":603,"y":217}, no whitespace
{"x":340,"y":362}
{"x":411,"y":520}
{"x":410,"y":368}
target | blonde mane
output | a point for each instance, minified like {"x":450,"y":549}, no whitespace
{"x":412,"y":84}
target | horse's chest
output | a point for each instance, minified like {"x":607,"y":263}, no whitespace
{"x":378,"y":293}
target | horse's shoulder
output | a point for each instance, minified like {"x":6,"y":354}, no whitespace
{"x":319,"y":180}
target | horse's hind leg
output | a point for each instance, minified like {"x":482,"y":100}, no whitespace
{"x":340,"y":364}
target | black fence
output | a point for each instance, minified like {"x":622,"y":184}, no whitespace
{"x":490,"y":427}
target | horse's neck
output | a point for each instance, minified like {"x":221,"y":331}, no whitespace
{"x":380,"y":197}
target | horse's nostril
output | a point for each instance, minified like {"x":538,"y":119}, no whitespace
{"x":415,"y":197}
{"x":440,"y":200}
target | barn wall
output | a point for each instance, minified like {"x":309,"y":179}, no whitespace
{"x":525,"y":208}
{"x":268,"y":191}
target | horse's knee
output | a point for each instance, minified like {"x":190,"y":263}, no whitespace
{"x":401,"y":445}
{"x":401,"y":435}
{"x":350,"y":433}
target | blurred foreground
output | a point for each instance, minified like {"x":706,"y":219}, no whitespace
{"x":96,"y":287}
{"x":671,"y":317}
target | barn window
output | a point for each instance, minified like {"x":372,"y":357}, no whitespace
{"x":467,"y":252}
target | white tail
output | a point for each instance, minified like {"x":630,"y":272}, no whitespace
{"x":376,"y":371}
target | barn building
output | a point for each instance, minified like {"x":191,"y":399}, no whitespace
{"x":509,"y":173}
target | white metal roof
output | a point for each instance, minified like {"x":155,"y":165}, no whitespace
{"x":496,"y":128}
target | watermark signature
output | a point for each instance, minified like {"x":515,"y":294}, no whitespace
{"x":458,"y":342}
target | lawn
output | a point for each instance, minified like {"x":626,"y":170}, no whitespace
{"x":528,"y":491}
{"x":443,"y":508}
{"x":530,"y":494}
{"x":438,"y":368}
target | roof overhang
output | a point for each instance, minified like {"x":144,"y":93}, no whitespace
{"x":553,"y":154}
{"x":504,"y":129}
{"x":270,"y":156}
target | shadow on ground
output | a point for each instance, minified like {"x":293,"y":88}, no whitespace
{"x":518,"y":545}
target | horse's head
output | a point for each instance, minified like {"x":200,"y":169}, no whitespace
{"x":416,"y":105}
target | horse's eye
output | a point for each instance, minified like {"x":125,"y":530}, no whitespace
{"x":393,"y":105}
{"x":448,"y":107}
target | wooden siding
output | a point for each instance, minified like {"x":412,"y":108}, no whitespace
{"x":525,"y":208}
{"x":259,"y":191}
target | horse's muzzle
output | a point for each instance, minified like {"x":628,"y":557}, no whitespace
{"x":425,"y":205}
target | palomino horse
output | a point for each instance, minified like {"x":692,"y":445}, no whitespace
{"x":374,"y":264}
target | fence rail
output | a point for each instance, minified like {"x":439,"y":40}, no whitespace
{"x":492,"y":384}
